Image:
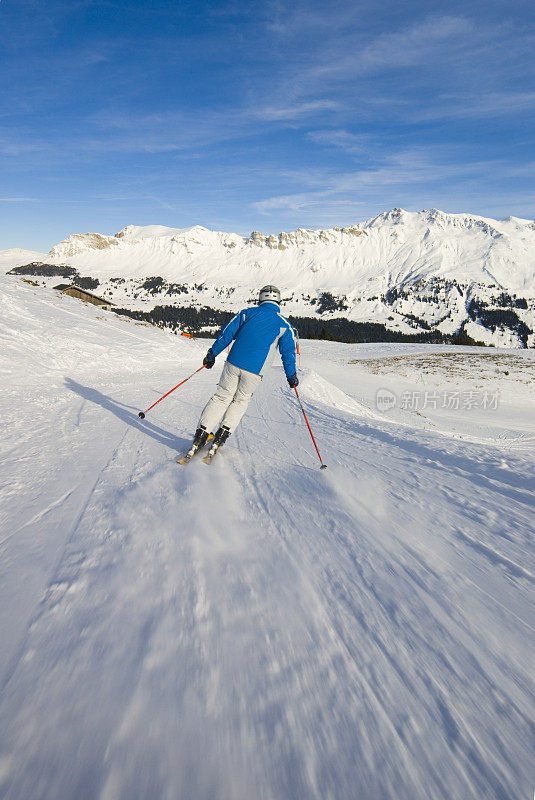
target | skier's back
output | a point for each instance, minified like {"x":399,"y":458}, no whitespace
{"x":256,"y":332}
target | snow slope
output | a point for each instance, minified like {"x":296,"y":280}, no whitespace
{"x":16,"y":256}
{"x":259,"y":628}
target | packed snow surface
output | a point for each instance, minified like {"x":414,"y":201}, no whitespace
{"x":260,"y":628}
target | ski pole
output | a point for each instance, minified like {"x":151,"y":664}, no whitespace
{"x":323,"y":466}
{"x":142,"y":413}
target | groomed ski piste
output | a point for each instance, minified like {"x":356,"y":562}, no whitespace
{"x":260,"y":628}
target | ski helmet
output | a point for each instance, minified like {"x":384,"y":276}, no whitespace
{"x":269,"y":293}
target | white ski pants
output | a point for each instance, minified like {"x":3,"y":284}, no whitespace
{"x":229,"y":403}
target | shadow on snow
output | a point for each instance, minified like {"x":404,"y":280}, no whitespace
{"x":127,"y":414}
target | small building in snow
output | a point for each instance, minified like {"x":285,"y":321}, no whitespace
{"x":83,"y":294}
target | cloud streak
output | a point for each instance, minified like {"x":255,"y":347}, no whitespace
{"x":492,"y":104}
{"x":19,"y":200}
{"x":298,"y":110}
{"x":403,"y":172}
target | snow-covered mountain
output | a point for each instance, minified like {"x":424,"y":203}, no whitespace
{"x":411,"y":272}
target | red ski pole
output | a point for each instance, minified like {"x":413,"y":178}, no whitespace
{"x":323,"y":466}
{"x":142,"y":413}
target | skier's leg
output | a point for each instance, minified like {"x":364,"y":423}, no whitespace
{"x":217,"y":405}
{"x":247,"y":384}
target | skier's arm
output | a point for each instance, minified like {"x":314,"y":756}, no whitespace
{"x":287,"y":348}
{"x":228,"y":333}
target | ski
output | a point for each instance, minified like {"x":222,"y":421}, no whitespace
{"x":220,"y":438}
{"x":185,"y":459}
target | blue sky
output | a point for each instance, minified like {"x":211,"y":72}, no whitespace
{"x":242,"y":115}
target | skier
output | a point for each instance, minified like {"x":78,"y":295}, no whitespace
{"x":256,"y":332}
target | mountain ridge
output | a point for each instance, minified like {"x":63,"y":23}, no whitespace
{"x":407,"y":270}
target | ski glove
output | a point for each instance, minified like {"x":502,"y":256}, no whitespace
{"x":209,"y":359}
{"x":293,"y":381}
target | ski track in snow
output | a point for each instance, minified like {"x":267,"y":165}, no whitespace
{"x":260,"y":628}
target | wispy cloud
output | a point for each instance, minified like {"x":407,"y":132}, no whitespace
{"x":350,"y":142}
{"x":526,"y":170}
{"x":416,"y":60}
{"x":407,"y":170}
{"x":476,"y":104}
{"x":409,"y":47}
{"x":171,"y":131}
{"x":19,"y":199}
{"x":16,"y":146}
{"x":297,"y":110}
{"x":165,"y":132}
{"x":352,"y":54}
{"x":414,"y":44}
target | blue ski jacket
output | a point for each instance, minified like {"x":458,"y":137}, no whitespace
{"x":257,"y":332}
